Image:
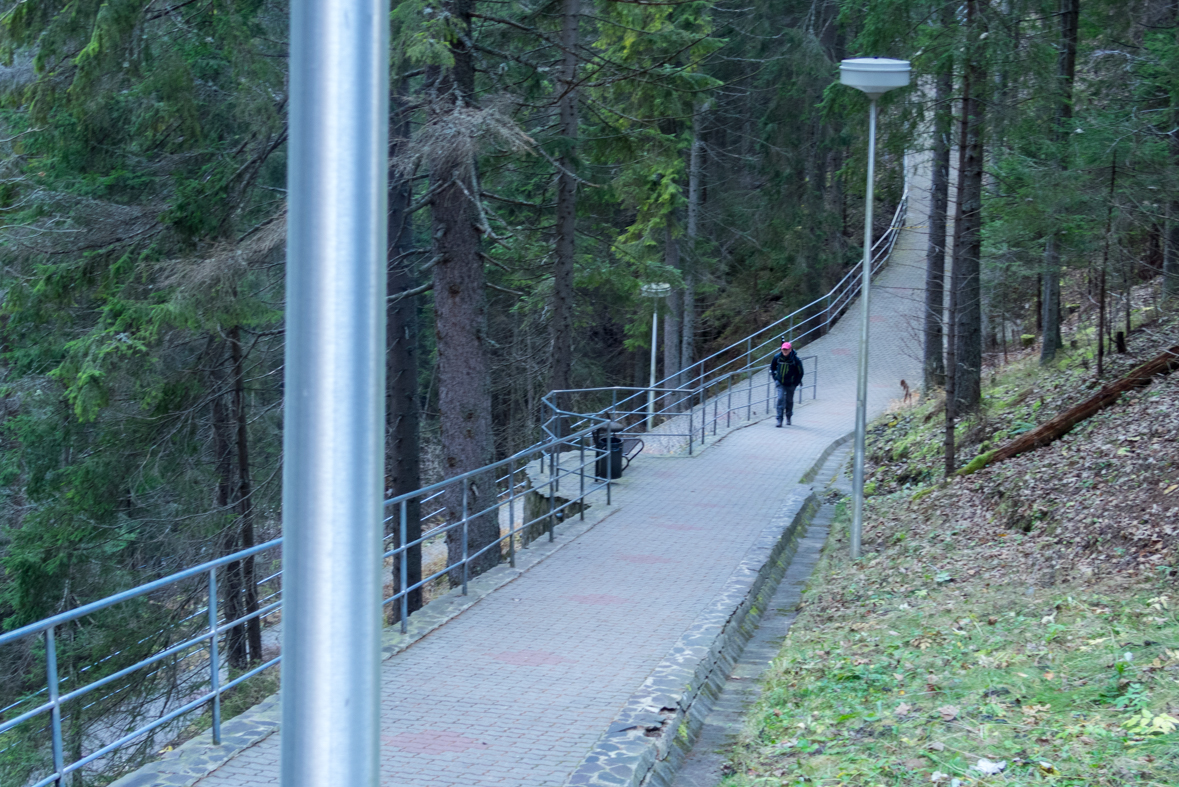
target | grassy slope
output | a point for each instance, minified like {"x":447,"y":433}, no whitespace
{"x":1025,"y":614}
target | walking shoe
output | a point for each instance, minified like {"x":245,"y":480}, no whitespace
{"x":779,"y":423}
{"x":787,"y":421}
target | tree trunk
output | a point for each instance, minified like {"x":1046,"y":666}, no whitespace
{"x":460,"y":309}
{"x":695,"y":177}
{"x":1066,"y":67}
{"x":1164,"y":363}
{"x":672,"y":320}
{"x":1171,"y":253}
{"x":561,"y":325}
{"x":935,"y":256}
{"x":1050,"y":302}
{"x":1101,"y":319}
{"x":968,"y":235}
{"x":236,"y":655}
{"x":402,"y":416}
{"x":245,"y":496}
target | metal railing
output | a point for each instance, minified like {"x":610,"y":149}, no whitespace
{"x":446,"y":509}
{"x":198,"y":655}
{"x":716,"y":374}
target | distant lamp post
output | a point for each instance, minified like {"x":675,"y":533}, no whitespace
{"x":875,"y":76}
{"x":656,"y":292}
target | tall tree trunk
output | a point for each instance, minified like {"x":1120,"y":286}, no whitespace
{"x":672,"y":320}
{"x":561,"y":326}
{"x":935,"y":255}
{"x":236,"y":654}
{"x":1101,"y":318}
{"x":402,"y":417}
{"x":968,"y":234}
{"x":695,"y":178}
{"x":1050,"y":302}
{"x":245,"y":495}
{"x":460,"y":309}
{"x":1171,"y":253}
{"x":1066,"y":67}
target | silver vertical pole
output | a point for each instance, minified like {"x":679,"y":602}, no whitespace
{"x":334,"y":389}
{"x":651,"y":392}
{"x":53,"y":686}
{"x":214,"y":658}
{"x":862,"y":375}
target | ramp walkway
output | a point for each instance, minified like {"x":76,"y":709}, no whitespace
{"x":532,"y":685}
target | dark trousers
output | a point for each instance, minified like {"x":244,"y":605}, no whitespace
{"x":786,"y":400}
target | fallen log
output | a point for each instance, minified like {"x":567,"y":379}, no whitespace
{"x":1164,"y":363}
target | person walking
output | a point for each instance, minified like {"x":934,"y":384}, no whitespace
{"x":786,"y":371}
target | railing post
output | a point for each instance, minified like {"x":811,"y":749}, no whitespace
{"x":55,"y":712}
{"x":559,"y":444}
{"x":554,"y":485}
{"x":749,"y":393}
{"x":466,"y":572}
{"x":581,"y":481}
{"x":214,"y":658}
{"x":512,"y":514}
{"x":402,"y":531}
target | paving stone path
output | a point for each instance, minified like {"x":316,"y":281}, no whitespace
{"x":517,"y":689}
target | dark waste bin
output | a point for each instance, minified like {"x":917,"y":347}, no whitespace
{"x":609,"y":448}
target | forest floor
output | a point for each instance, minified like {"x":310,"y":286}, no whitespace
{"x":1014,"y":626}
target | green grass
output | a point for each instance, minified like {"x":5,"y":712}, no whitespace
{"x":1020,"y":614}
{"x":890,"y":678}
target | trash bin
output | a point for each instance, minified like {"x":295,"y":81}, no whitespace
{"x":609,"y":448}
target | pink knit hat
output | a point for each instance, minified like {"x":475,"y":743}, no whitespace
{"x":786,"y":346}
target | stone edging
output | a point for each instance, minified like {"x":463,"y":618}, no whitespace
{"x":810,"y":475}
{"x":656,"y":727}
{"x":197,"y":758}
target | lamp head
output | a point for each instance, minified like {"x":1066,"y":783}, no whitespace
{"x":874,"y":75}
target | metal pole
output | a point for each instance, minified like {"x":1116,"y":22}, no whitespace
{"x":862,"y":374}
{"x":333,"y":443}
{"x":651,"y":390}
{"x":55,"y":711}
{"x":402,"y":537}
{"x":512,"y":515}
{"x":214,"y":658}
{"x":466,"y":533}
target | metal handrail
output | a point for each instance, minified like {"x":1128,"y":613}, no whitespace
{"x":210,"y":637}
{"x":546,"y":451}
{"x":836,"y":301}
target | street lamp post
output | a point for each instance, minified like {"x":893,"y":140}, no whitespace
{"x":654,"y":291}
{"x":875,"y":76}
{"x":333,"y":443}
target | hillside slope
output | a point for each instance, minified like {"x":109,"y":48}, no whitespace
{"x":1017,"y":625}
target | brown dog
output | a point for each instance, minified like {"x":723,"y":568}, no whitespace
{"x":908,"y":392}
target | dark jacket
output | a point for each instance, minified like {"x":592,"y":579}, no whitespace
{"x":786,"y":369}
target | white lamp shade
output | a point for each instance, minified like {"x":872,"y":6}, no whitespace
{"x":656,"y":290}
{"x":874,"y":75}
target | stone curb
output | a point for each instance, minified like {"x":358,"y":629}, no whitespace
{"x":656,"y":727}
{"x":810,"y":475}
{"x":197,"y":758}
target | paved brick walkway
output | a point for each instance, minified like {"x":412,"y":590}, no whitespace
{"x":519,"y":688}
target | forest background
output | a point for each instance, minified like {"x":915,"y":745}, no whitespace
{"x":546,"y":159}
